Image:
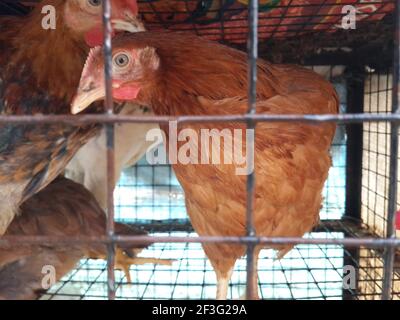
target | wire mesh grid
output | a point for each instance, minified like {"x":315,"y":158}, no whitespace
{"x":309,"y":271}
{"x":376,"y":151}
{"x":151,"y":196}
{"x":226,"y":21}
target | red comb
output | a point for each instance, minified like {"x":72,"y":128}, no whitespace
{"x":132,"y":5}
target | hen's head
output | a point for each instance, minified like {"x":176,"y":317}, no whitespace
{"x":83,"y":18}
{"x":134,"y":70}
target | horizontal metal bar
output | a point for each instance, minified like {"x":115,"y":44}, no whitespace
{"x":183,"y":225}
{"x":12,"y":241}
{"x":111,"y":118}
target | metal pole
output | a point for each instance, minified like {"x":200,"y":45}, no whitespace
{"x":354,"y":144}
{"x":109,"y":106}
{"x":394,"y":149}
{"x":369,"y":242}
{"x":116,"y":118}
{"x":252,"y":49}
{"x":354,"y":155}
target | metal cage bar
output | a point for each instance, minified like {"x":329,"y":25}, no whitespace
{"x":355,"y":99}
{"x":250,"y":183}
{"x":393,"y":169}
{"x":390,"y":243}
{"x":114,"y":118}
{"x":142,"y":240}
{"x":109,"y":108}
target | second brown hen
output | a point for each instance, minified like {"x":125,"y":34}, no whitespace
{"x":39,"y":72}
{"x":64,"y":208}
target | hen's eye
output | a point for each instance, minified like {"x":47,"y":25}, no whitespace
{"x":121,"y":60}
{"x":95,"y":3}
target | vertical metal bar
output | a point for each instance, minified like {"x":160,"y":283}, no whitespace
{"x":394,"y":146}
{"x":354,"y":153}
{"x":252,"y":49}
{"x":109,"y":107}
{"x":354,"y":144}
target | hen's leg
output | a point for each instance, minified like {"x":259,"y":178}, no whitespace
{"x":222,"y":284}
{"x":223,"y":259}
{"x":126,"y":270}
{"x":123,"y":262}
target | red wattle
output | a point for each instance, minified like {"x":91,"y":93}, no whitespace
{"x":95,"y":37}
{"x":398,"y":220}
{"x":126,"y":93}
{"x":133,"y":6}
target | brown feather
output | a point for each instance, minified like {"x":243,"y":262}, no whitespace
{"x":63,"y":208}
{"x":199,"y":77}
{"x":39,"y":76}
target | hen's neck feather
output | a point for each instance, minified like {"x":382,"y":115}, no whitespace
{"x":54,"y":57}
{"x":192,"y":67}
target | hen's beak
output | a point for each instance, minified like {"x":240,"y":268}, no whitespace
{"x":125,"y":16}
{"x":88,"y":92}
{"x":131,"y":25}
{"x":91,"y":90}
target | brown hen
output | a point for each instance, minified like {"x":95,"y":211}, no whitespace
{"x":63,"y":209}
{"x":183,"y":75}
{"x":39,"y":72}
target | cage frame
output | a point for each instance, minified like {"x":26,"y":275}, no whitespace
{"x":354,"y":116}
